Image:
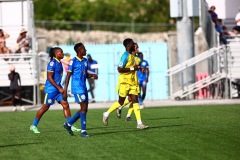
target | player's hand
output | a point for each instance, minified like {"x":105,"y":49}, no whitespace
{"x":65,"y":96}
{"x":61,"y":90}
{"x":94,"y":76}
{"x":136,"y":67}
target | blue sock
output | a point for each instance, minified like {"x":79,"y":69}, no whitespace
{"x":140,"y":101}
{"x":74,"y":118}
{"x":68,"y":119}
{"x":35,"y":122}
{"x":83,"y":121}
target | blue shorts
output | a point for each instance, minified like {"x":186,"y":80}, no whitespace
{"x":50,"y":98}
{"x":81,"y":97}
{"x":142,"y":83}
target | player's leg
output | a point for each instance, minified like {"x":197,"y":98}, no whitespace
{"x":82,"y":100}
{"x":67,"y":112}
{"x":20,"y":99}
{"x":133,"y":94}
{"x":83,"y":115}
{"x":139,"y":94}
{"x":39,"y":115}
{"x":119,"y":110}
{"x":144,"y":90}
{"x":122,"y":90}
{"x":113,"y":107}
{"x":48,"y":101}
{"x":91,"y":87}
{"x":13,"y":92}
{"x":130,"y":110}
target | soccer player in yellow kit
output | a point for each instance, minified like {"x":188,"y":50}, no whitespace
{"x":126,"y":84}
{"x":128,"y":100}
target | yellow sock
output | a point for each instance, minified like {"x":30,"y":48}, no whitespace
{"x":130,"y":110}
{"x":113,"y":107}
{"x":137,"y":111}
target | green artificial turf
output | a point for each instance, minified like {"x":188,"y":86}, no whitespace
{"x":194,"y":132}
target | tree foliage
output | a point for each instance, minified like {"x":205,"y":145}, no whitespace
{"x":137,"y":11}
{"x":155,"y":11}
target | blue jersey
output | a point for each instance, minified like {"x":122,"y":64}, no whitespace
{"x":90,"y":68}
{"x":142,"y":76}
{"x":54,"y":66}
{"x":78,"y":67}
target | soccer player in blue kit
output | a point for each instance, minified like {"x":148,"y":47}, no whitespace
{"x":143,"y":75}
{"x":77,"y":68}
{"x":53,"y":89}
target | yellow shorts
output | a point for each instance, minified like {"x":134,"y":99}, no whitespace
{"x":125,"y":89}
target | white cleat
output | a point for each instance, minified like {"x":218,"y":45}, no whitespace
{"x":105,"y":120}
{"x":141,"y":126}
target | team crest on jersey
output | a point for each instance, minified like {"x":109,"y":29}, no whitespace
{"x":70,"y":63}
{"x":83,"y":97}
{"x":49,"y":101}
{"x":85,"y":64}
{"x":51,"y":63}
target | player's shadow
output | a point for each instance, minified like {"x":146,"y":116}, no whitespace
{"x":103,"y":127}
{"x":137,"y":130}
{"x":161,"y":118}
{"x":14,"y":145}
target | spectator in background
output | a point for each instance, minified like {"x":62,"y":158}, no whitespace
{"x":219,"y":29}
{"x":92,"y":69}
{"x":23,"y":42}
{"x":3,"y":37}
{"x":213,"y":14}
{"x":236,"y":29}
{"x":65,"y":63}
{"x":15,"y":87}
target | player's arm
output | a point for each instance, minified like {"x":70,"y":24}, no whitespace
{"x":69,"y":74}
{"x":148,"y":73}
{"x":91,"y":74}
{"x":124,"y":70}
{"x":50,"y":79}
{"x":11,"y":76}
{"x":123,"y":61}
{"x":19,"y":79}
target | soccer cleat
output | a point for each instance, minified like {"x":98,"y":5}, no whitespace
{"x":141,"y":126}
{"x":74,"y":129}
{"x":119,"y":111}
{"x":34,"y":129}
{"x":14,"y":109}
{"x":128,"y":119}
{"x":68,"y":128}
{"x":22,"y":108}
{"x":84,"y":134}
{"x":105,"y":120}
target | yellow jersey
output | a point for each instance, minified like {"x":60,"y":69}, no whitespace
{"x":127,"y":61}
{"x":137,"y":61}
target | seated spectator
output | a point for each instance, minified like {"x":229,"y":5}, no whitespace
{"x":225,"y":31}
{"x":23,"y":42}
{"x":236,"y":29}
{"x":3,"y":48}
{"x":213,"y":14}
{"x":219,"y":28}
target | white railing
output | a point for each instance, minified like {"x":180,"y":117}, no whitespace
{"x":216,"y":75}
